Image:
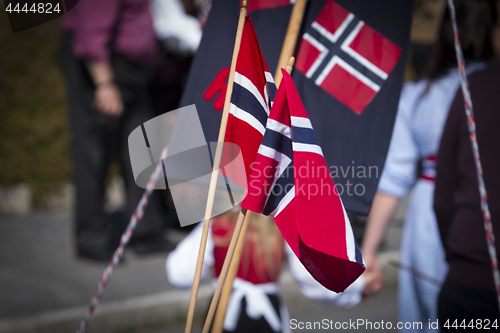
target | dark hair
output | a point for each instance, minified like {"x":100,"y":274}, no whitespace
{"x":475,"y":19}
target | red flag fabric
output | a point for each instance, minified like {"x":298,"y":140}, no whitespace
{"x":253,"y":91}
{"x":291,"y":182}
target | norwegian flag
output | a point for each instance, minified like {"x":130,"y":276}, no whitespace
{"x":346,"y":57}
{"x":348,"y":139}
{"x":291,"y":182}
{"x":253,"y":91}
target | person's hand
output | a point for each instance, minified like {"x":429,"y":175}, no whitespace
{"x":371,"y":262}
{"x":373,"y":275}
{"x":374,"y":280}
{"x":108,"y":100}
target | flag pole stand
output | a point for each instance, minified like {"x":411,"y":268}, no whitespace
{"x":215,"y":171}
{"x":236,"y":258}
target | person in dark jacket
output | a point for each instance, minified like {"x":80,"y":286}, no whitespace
{"x":468,"y":292}
{"x":107,"y":53}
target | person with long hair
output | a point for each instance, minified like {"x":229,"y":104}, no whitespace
{"x":254,"y":304}
{"x":411,"y":161}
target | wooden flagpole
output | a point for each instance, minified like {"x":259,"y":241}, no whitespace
{"x":290,"y":38}
{"x":242,"y":222}
{"x":286,"y":55}
{"x":236,"y":258}
{"x":215,"y":171}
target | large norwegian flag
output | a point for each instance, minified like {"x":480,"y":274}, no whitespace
{"x":343,"y":50}
{"x":291,"y":182}
{"x":253,"y":91}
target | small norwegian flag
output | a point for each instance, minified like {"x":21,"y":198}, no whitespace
{"x":253,"y":91}
{"x":291,"y":182}
{"x":346,"y":57}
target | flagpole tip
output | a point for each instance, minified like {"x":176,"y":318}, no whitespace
{"x":290,"y":64}
{"x":244,"y":4}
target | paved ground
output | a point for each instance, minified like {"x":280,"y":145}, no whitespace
{"x":40,"y":272}
{"x":44,"y":288}
{"x":383,"y":307}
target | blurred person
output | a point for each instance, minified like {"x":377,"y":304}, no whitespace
{"x":254,"y":304}
{"x":422,"y":112}
{"x":179,"y":34}
{"x":468,"y":292}
{"x":178,"y":31}
{"x":107,"y":51}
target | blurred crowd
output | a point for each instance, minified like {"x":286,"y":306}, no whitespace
{"x":126,"y":61}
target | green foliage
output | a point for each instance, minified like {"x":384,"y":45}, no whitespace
{"x":34,"y":132}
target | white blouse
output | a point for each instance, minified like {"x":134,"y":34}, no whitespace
{"x":419,"y":124}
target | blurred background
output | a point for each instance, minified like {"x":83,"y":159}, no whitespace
{"x":36,"y":171}
{"x":44,"y":287}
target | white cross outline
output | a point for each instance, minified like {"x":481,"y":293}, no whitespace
{"x":324,"y":51}
{"x":365,"y":62}
{"x":335,"y":36}
{"x":336,"y":60}
{"x":347,"y":49}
